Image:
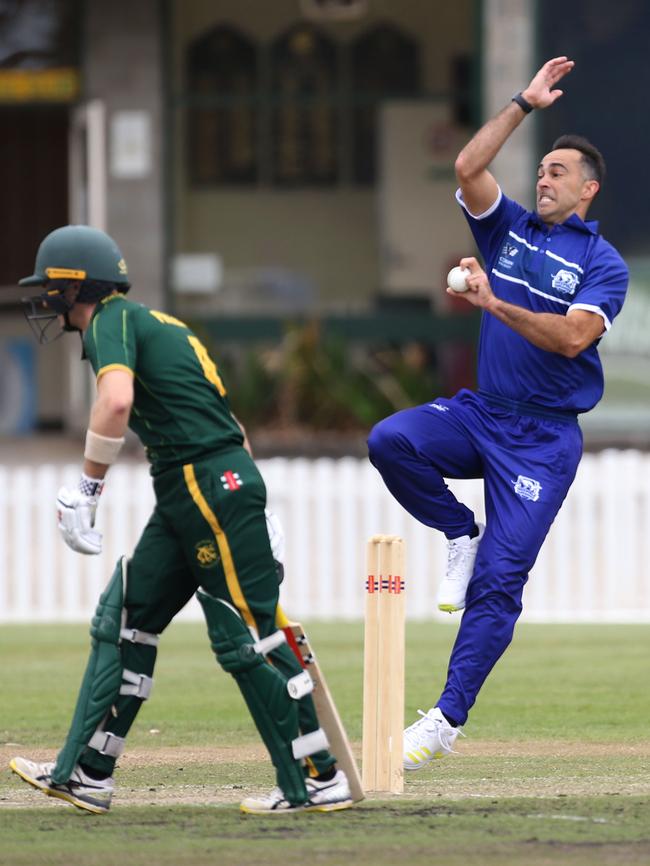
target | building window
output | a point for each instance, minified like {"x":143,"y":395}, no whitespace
{"x":223,"y":81}
{"x":384,"y":64}
{"x":299,"y":112}
{"x":304,"y":86}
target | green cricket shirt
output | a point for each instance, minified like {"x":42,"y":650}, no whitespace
{"x":180,"y":409}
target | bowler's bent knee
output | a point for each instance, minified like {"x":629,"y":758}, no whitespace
{"x":385,"y":442}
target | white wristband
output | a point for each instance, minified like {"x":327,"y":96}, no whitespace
{"x":102,"y":449}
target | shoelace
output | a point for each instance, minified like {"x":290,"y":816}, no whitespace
{"x":429,"y":724}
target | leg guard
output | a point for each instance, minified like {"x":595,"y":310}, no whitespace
{"x":286,"y":662}
{"x":264,"y":689}
{"x":105,"y":679}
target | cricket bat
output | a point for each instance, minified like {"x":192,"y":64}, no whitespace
{"x":328,"y":715}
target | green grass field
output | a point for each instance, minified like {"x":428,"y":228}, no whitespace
{"x":555,"y":767}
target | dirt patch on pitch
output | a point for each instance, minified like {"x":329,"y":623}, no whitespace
{"x":139,"y":757}
{"x":481,"y":769}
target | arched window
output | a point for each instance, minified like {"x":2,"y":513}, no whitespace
{"x":384,"y":63}
{"x":304,"y":83}
{"x":222,"y":78}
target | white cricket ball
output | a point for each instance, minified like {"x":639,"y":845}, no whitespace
{"x":456,"y":278}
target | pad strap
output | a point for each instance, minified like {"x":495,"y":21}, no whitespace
{"x":267,"y":644}
{"x":300,"y":685}
{"x":106,"y":743}
{"x":309,"y":744}
{"x":134,"y":635}
{"x":140,"y":687}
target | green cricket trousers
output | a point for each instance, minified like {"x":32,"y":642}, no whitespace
{"x":208,"y":530}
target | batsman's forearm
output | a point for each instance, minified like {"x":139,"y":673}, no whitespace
{"x":480,"y":150}
{"x":547,"y":331}
{"x":109,"y":419}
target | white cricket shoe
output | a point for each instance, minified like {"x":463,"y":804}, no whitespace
{"x":430,"y":737}
{"x":80,"y":790}
{"x":461,"y":556}
{"x":323,"y":797}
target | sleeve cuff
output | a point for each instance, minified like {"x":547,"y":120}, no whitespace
{"x":109,"y":367}
{"x":485,"y":214}
{"x":592,"y":308}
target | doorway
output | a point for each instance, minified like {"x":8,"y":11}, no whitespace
{"x":34,"y":183}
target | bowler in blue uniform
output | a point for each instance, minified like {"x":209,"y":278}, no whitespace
{"x":549,"y":290}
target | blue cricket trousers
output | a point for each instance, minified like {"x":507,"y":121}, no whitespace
{"x":527,"y":462}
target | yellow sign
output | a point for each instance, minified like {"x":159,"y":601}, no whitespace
{"x":39,"y":85}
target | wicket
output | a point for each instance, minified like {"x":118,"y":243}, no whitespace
{"x":383,"y":676}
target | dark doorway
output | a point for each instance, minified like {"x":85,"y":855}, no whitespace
{"x":605,"y":101}
{"x":33,"y":183}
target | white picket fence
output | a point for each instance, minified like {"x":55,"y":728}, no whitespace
{"x":593,"y":567}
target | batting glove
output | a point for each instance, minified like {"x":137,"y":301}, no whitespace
{"x":76,"y":516}
{"x":276,"y":534}
{"x":276,"y":538}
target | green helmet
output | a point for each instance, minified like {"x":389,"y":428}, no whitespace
{"x":72,"y":254}
{"x":79,"y":253}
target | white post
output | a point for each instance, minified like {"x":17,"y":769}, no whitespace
{"x":87,"y":191}
{"x":508,"y":55}
{"x":96,"y":161}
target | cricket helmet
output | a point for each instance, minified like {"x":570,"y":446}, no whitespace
{"x":78,"y":253}
{"x":74,"y":253}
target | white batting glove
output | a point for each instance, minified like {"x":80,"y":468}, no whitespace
{"x":276,"y":535}
{"x":76,"y":517}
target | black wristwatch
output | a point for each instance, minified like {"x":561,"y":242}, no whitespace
{"x":524,"y":104}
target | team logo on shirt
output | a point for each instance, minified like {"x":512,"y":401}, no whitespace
{"x":231,"y":480}
{"x":565,"y":281}
{"x":206,"y":553}
{"x":507,"y":255}
{"x":527,"y":488}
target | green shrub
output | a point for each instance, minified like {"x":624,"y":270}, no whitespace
{"x":320,"y":382}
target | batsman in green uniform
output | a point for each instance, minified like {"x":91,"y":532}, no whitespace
{"x":207,"y":535}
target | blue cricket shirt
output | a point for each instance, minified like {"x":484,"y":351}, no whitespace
{"x":567,"y":267}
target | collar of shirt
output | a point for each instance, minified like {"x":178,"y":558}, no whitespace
{"x":574,"y":222}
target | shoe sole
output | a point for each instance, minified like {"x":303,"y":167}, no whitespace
{"x":321,"y":807}
{"x":59,"y":794}
{"x":75,"y":801}
{"x":450,"y":608}
{"x":419,"y":766}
